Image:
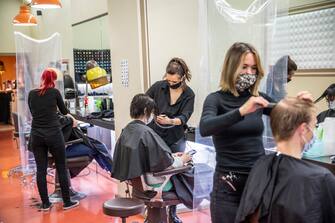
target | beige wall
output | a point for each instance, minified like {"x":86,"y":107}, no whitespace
{"x":124,"y":21}
{"x":314,"y":84}
{"x":86,"y":9}
{"x":93,"y":34}
{"x":173,"y":32}
{"x":57,"y":20}
{"x":9,"y":9}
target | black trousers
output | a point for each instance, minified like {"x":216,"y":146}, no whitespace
{"x":226,"y":196}
{"x":56,"y":146}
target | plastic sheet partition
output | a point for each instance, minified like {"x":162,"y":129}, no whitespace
{"x":221,"y":24}
{"x":32,"y":57}
{"x":204,"y":165}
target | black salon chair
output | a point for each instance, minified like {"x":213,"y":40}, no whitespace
{"x":72,"y":162}
{"x":154,"y":198}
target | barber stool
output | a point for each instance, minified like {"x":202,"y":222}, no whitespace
{"x":123,"y":207}
{"x":155,"y":199}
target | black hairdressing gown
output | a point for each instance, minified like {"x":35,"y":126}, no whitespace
{"x":139,"y":150}
{"x":287,"y":189}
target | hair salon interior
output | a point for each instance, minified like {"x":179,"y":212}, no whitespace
{"x":104,"y":52}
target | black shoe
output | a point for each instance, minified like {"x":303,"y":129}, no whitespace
{"x":70,"y":204}
{"x":173,"y":218}
{"x":45,"y":207}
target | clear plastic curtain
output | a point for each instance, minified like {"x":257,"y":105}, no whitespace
{"x":32,"y":57}
{"x":275,"y":87}
{"x":221,"y":25}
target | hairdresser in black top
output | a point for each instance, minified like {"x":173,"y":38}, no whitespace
{"x":175,"y":102}
{"x":46,"y":136}
{"x":233,"y":117}
{"x":329,"y":94}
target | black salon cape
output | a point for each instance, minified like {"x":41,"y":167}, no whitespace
{"x":140,"y":150}
{"x":290,"y":190}
{"x":327,"y":113}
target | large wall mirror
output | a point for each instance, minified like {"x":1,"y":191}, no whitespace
{"x":91,"y":42}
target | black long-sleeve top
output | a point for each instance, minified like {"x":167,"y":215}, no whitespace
{"x":182,"y":109}
{"x":43,"y":109}
{"x":323,"y":115}
{"x":237,"y":139}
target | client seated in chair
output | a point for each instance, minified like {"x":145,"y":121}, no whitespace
{"x":79,"y":152}
{"x":139,"y":151}
{"x":88,"y":146}
{"x":281,"y":187}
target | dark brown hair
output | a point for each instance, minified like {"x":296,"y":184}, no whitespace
{"x":288,"y":115}
{"x":142,"y":105}
{"x":178,"y":66}
{"x":230,"y":71}
{"x":291,"y":65}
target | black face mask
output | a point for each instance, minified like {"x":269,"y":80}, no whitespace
{"x":175,"y":86}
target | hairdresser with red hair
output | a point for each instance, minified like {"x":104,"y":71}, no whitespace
{"x":46,"y":136}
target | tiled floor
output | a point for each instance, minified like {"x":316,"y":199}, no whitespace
{"x":17,"y":199}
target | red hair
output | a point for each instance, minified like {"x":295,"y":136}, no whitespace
{"x":47,"y":80}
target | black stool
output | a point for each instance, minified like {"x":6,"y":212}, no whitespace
{"x":123,"y":207}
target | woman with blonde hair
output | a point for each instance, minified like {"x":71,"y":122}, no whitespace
{"x":233,"y":117}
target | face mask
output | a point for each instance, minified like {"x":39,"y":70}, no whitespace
{"x":150,"y":118}
{"x":309,"y":145}
{"x":245,"y":81}
{"x":175,"y":86}
{"x":331,"y":105}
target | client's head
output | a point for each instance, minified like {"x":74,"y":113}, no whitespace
{"x":142,"y":107}
{"x":293,"y":121}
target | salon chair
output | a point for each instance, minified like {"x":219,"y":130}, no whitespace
{"x":72,"y":162}
{"x":154,"y":198}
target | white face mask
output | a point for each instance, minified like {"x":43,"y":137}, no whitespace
{"x":150,"y":118}
{"x":309,"y":144}
{"x":331,"y":105}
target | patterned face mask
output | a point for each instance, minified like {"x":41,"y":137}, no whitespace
{"x":245,"y":81}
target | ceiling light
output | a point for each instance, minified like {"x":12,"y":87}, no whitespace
{"x":24,"y":18}
{"x":46,"y":4}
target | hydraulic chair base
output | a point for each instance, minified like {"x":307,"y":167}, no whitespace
{"x":29,"y":169}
